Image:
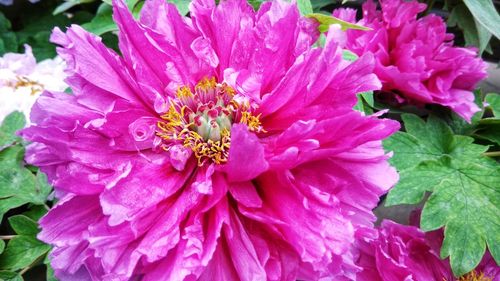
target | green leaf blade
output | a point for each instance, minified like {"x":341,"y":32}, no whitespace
{"x":486,"y":14}
{"x":13,"y":122}
{"x":23,"y":225}
{"x":182,"y":6}
{"x":464,"y":187}
{"x":305,"y":7}
{"x":22,"y":251}
{"x":325,"y":21}
{"x":10,"y":276}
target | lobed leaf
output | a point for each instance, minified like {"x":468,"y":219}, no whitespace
{"x":464,"y":186}
{"x":19,"y":185}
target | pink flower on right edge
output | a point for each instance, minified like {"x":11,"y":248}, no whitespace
{"x":405,"y":253}
{"x":416,"y":59}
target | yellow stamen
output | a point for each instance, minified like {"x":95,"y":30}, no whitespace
{"x":473,"y":276}
{"x":206,"y":84}
{"x":184,"y":92}
{"x":210,"y":137}
{"x":23,"y":81}
{"x":253,"y":122}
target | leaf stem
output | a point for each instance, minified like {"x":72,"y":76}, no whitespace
{"x":492,"y":154}
{"x":7,"y":237}
{"x":22,"y":272}
{"x":26,"y":269}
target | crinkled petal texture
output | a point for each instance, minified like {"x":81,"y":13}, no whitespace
{"x":401,"y":252}
{"x":415,"y":58}
{"x":288,"y":202}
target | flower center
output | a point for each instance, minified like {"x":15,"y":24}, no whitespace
{"x":474,"y":276}
{"x":23,"y":81}
{"x":202,"y":120}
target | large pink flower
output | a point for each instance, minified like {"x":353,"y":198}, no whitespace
{"x":217,"y":147}
{"x":416,"y":59}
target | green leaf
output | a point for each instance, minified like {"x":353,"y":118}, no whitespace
{"x":489,"y":132}
{"x":493,"y":100}
{"x":22,"y":251}
{"x":422,"y":141}
{"x":182,"y":6}
{"x":348,"y":55}
{"x":23,"y":225}
{"x":255,"y":4}
{"x":19,"y":185}
{"x":13,"y":122}
{"x":10,"y":276}
{"x":68,"y":4}
{"x":474,"y":33}
{"x":305,"y":7}
{"x":8,"y":39}
{"x":36,"y":212}
{"x":318,"y":4}
{"x":365,"y":102}
{"x":102,"y":22}
{"x":11,"y":156}
{"x":466,"y":200}
{"x":2,"y":246}
{"x":50,"y":273}
{"x":464,"y":186}
{"x":326,"y":20}
{"x":37,"y":23}
{"x":486,"y":14}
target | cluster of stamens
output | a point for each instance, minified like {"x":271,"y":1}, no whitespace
{"x":23,"y":81}
{"x":474,"y":276}
{"x":202,"y":120}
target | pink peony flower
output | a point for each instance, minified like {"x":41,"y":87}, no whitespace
{"x":218,"y":147}
{"x":416,"y":60}
{"x":401,"y":252}
{"x":22,"y":80}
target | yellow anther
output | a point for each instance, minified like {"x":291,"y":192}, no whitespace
{"x":473,"y":276}
{"x":22,"y":81}
{"x":208,"y":136}
{"x":184,"y":92}
{"x":206,"y":84}
{"x":253,"y":122}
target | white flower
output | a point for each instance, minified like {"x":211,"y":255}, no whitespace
{"x":22,"y":80}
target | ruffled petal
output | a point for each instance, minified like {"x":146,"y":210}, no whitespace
{"x":243,"y":165}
